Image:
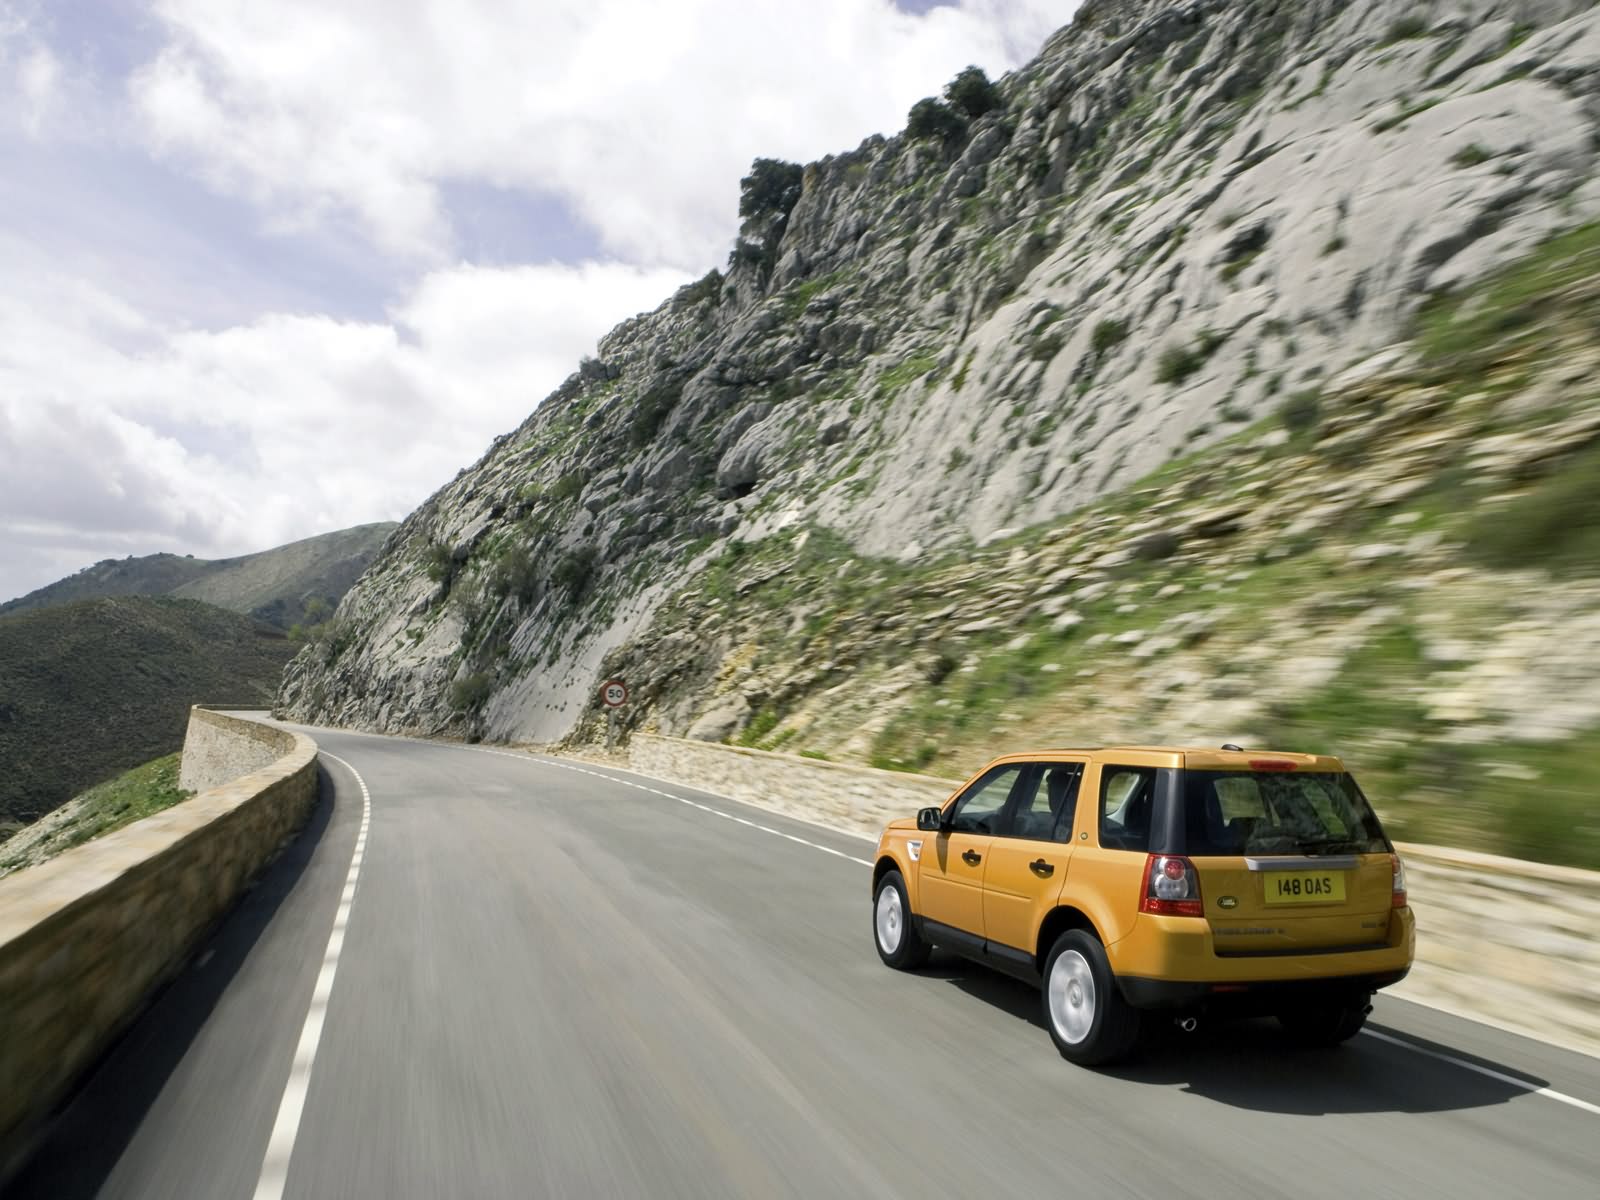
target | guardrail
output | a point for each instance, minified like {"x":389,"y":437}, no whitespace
{"x":1499,"y":940}
{"x":87,"y":938}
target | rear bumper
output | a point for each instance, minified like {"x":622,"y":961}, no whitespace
{"x":1263,"y":997}
{"x":1171,"y":962}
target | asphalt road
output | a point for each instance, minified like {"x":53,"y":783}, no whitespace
{"x":554,"y":982}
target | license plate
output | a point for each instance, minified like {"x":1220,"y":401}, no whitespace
{"x":1305,"y":887}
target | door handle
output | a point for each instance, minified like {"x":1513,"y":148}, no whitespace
{"x":1042,"y":867}
{"x":971,"y":857}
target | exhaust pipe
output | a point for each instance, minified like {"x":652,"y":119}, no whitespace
{"x":1188,"y":1024}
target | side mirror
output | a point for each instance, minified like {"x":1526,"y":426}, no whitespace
{"x":930,"y":820}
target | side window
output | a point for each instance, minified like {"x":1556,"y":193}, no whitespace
{"x":1046,"y":814}
{"x":978,"y":810}
{"x":1127,"y":799}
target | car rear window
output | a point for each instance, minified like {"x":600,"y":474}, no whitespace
{"x":1270,"y":812}
{"x":1127,"y":801}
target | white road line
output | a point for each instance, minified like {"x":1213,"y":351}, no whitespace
{"x":280,"y":1146}
{"x":1536,"y":1089}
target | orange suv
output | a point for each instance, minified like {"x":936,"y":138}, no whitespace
{"x":1136,"y":879}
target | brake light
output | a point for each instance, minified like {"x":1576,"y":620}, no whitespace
{"x":1271,"y":764}
{"x":1398,"y":895}
{"x":1171,"y":887}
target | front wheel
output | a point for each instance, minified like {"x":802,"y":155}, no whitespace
{"x":1089,"y":1021}
{"x":1326,"y":1025}
{"x":893,"y":931}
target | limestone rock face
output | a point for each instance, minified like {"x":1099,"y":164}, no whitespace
{"x":1186,"y":210}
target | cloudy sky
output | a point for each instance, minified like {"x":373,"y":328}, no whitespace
{"x":272,"y":269}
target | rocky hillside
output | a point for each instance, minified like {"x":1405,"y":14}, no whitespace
{"x":1401,"y":566}
{"x":281,"y":586}
{"x":92,"y":688}
{"x":931,"y":349}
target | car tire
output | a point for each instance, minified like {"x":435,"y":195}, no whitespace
{"x":1089,"y":1021}
{"x":1327,"y":1025}
{"x":894,"y":932}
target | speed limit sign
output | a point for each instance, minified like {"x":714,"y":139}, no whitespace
{"x":614,"y":693}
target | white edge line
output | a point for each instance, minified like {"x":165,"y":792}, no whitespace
{"x":280,"y":1145}
{"x":1535,"y":1089}
{"x":1548,"y":1092}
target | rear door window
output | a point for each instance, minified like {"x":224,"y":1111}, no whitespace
{"x":1269,"y":812}
{"x":1127,"y":800}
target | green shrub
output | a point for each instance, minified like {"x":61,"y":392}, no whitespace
{"x":514,"y":574}
{"x":1471,"y":155}
{"x":1108,"y":334}
{"x":959,"y":380}
{"x":763,"y":723}
{"x":708,"y":288}
{"x":652,"y":409}
{"x":567,"y":487}
{"x":575,"y":571}
{"x":767,"y":195}
{"x":1178,"y":363}
{"x":439,"y":563}
{"x":971,"y":94}
{"x":1301,"y":411}
{"x":773,"y":186}
{"x":1047,"y":344}
{"x":471,"y":692}
{"x":933,"y":120}
{"x":1554,"y":525}
{"x":1406,"y":28}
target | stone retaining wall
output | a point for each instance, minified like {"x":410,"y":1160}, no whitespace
{"x":86,"y":938}
{"x":218,"y":749}
{"x":1512,"y":943}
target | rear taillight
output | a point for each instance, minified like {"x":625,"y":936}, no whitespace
{"x":1398,"y":894}
{"x":1171,"y":887}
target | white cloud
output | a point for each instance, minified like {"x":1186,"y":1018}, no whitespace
{"x":220,"y":443}
{"x":31,"y":78}
{"x":641,"y":115}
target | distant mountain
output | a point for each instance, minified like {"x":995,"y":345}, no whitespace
{"x":277,"y":586}
{"x":91,"y":688}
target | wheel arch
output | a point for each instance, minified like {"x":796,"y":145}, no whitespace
{"x":1058,"y":921}
{"x":885,"y":864}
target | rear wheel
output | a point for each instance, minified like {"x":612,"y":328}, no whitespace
{"x":893,"y":931}
{"x":1326,"y":1025}
{"x":1089,"y":1021}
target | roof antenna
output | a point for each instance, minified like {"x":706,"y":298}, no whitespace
{"x":1231,"y":746}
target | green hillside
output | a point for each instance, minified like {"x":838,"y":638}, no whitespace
{"x":298,"y":582}
{"x":145,"y":790}
{"x":90,"y":689}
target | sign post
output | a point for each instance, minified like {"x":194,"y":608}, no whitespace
{"x":613,"y":694}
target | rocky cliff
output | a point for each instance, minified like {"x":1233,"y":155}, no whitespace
{"x":1181,"y":216}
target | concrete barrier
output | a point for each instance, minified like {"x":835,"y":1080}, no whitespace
{"x":87,"y":938}
{"x":1510,"y":943}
